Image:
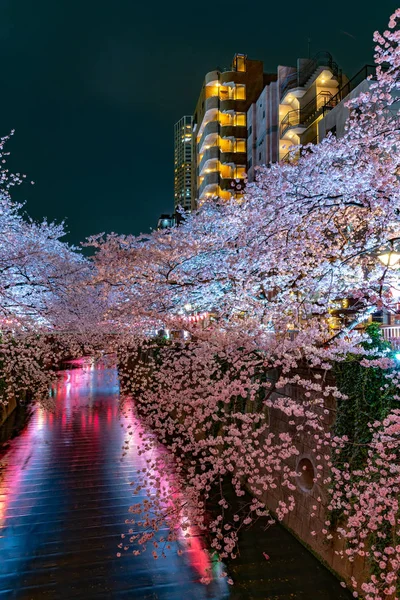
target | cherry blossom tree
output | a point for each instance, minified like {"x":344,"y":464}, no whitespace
{"x":247,"y":288}
{"x":46,"y":296}
{"x":253,"y":284}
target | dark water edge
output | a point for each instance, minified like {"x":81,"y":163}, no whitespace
{"x":291,"y":571}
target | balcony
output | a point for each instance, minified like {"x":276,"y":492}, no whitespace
{"x":291,"y":157}
{"x":211,"y":103}
{"x":228,"y":104}
{"x":298,"y":120}
{"x":211,"y":181}
{"x":211,"y":153}
{"x":238,"y":158}
{"x":212,"y":77}
{"x":209,"y":128}
{"x":235,"y":131}
{"x":226,"y":184}
{"x":359,"y":77}
{"x":293,"y":122}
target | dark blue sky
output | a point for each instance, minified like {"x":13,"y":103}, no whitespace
{"x":93,"y":89}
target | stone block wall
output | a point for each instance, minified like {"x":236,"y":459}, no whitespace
{"x":7,"y":409}
{"x":311,"y":497}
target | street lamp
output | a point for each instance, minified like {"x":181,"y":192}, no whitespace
{"x":389,"y":255}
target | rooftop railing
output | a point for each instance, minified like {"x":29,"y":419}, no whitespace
{"x":300,"y":77}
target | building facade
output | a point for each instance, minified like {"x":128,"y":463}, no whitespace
{"x":166,"y":221}
{"x":219,"y":141}
{"x":288,"y":110}
{"x":183,"y":163}
{"x":334,"y":120}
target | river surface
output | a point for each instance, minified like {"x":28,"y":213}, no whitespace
{"x":64,"y":499}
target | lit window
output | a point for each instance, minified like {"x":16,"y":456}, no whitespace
{"x":240,"y":119}
{"x":240,"y":145}
{"x":240,"y":63}
{"x":240,"y":172}
{"x":240,"y":92}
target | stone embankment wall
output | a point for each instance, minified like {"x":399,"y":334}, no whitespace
{"x":7,"y":409}
{"x":311,"y":497}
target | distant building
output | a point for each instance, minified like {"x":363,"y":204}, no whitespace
{"x":288,"y":110}
{"x":166,"y":221}
{"x":246,"y":118}
{"x":220,"y":128}
{"x":183,"y":163}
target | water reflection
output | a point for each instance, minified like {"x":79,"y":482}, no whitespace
{"x":64,"y":499}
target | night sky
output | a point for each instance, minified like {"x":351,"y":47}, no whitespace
{"x":93,"y":89}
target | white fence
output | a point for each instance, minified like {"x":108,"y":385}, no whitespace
{"x":392,"y":334}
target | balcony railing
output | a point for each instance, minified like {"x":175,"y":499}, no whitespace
{"x":211,"y":153}
{"x":322,"y":102}
{"x":305,"y":116}
{"x":366,"y":71}
{"x":290,"y":120}
{"x":209,"y":179}
{"x":215,"y":178}
{"x":300,"y":78}
{"x":291,"y":156}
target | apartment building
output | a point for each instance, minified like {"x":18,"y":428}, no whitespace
{"x":183,"y":163}
{"x":288,"y":110}
{"x":219,"y":141}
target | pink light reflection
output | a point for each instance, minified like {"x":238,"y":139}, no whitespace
{"x":189,"y":535}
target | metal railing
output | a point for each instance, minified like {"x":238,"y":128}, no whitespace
{"x":300,"y":78}
{"x":316,"y":106}
{"x":291,"y":156}
{"x":290,"y":120}
{"x":360,"y":76}
{"x":304,"y":116}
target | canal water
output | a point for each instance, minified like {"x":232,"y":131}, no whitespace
{"x":64,"y":498}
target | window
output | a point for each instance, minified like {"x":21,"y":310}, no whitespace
{"x":240,"y":171}
{"x":250,"y":162}
{"x":240,"y":145}
{"x":227,"y":93}
{"x":263,"y":114}
{"x":249,"y":131}
{"x":240,"y":92}
{"x":240,"y":119}
{"x":259,"y":156}
{"x":240,"y":63}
